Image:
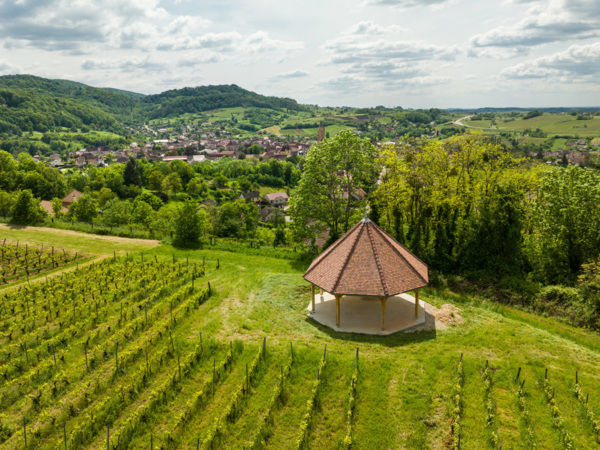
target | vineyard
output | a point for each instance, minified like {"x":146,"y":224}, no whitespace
{"x":18,"y":262}
{"x":209,"y":349}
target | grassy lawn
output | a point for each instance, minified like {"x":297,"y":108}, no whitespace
{"x":478,"y":123}
{"x":87,"y":243}
{"x":405,"y":385}
{"x":557,"y":124}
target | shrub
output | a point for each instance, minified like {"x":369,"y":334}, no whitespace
{"x":556,"y":299}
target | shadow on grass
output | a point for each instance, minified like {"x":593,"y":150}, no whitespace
{"x":397,"y":339}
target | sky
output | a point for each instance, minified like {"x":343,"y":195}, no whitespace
{"x":408,"y":53}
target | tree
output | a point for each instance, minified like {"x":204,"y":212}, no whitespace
{"x":457,"y":203}
{"x":143,"y":213}
{"x":338,"y":174}
{"x":151,"y":199}
{"x":565,"y":223}
{"x":589,"y":286}
{"x":164,"y":220}
{"x":117,"y":212}
{"x":85,"y":208}
{"x":6,"y":203}
{"x":133,"y":173}
{"x":57,"y":207}
{"x":236,"y":219}
{"x":155,"y":180}
{"x":105,"y":195}
{"x":172,"y":184}
{"x":190,"y":225}
{"x":196,"y":186}
{"x":26,"y":209}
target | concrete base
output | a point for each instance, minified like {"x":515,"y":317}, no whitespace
{"x":363,"y":314}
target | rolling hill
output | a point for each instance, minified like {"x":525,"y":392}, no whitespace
{"x":31,"y":103}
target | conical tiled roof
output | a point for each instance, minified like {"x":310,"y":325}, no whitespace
{"x":367,"y":261}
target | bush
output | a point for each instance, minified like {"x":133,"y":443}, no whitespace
{"x":519,"y":289}
{"x":559,"y":300}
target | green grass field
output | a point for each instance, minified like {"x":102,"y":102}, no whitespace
{"x":169,"y":364}
{"x":556,"y":124}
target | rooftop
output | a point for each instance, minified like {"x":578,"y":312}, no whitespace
{"x":367,"y":261}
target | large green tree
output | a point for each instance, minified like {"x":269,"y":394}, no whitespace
{"x":85,"y":208}
{"x":26,"y":209}
{"x":457,"y":203}
{"x":332,"y":192}
{"x":565,"y":223}
{"x":190,"y":225}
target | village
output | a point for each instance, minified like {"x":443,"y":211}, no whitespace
{"x":183,"y":148}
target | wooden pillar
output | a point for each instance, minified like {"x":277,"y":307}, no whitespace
{"x":383,"y":301}
{"x":321,"y":293}
{"x":312,"y":298}
{"x":337,"y":309}
{"x":416,"y":303}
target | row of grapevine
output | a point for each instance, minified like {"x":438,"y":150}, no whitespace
{"x":458,"y":406}
{"x":347,"y":442}
{"x":589,"y":414}
{"x":233,"y":407}
{"x":310,"y":404}
{"x":489,"y":405}
{"x":262,"y":430}
{"x":125,"y":430}
{"x":523,"y":407}
{"x":557,"y":418}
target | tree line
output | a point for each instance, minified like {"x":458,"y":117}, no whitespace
{"x":469,"y":209}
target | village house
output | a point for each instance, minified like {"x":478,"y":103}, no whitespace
{"x":253,"y":196}
{"x":277,"y":199}
{"x":71,"y":198}
{"x":55,"y":160}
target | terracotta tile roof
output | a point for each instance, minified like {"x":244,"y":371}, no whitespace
{"x":367,"y":261}
{"x":71,"y":197}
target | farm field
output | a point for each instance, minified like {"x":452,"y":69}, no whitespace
{"x":177,"y":349}
{"x":556,"y":124}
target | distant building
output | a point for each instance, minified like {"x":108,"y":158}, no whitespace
{"x":278,"y":199}
{"x":253,"y":196}
{"x":71,"y":198}
{"x":321,"y":133}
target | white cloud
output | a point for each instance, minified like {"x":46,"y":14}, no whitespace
{"x":7,"y":68}
{"x":577,"y":63}
{"x":545,"y":22}
{"x":383,"y":62}
{"x":370,"y":28}
{"x":291,"y":75}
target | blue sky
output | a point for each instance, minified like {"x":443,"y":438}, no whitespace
{"x":410,"y":53}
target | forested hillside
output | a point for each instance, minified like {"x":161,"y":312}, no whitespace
{"x":203,"y":98}
{"x":31,"y":103}
{"x":119,"y":103}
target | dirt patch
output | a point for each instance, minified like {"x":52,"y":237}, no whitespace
{"x":447,"y":315}
{"x":150,"y":242}
{"x":440,"y":318}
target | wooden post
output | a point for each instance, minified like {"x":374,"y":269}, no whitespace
{"x":337,"y":310}
{"x":416,"y":303}
{"x":321,"y":293}
{"x":313,"y":297}
{"x":383,"y":302}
